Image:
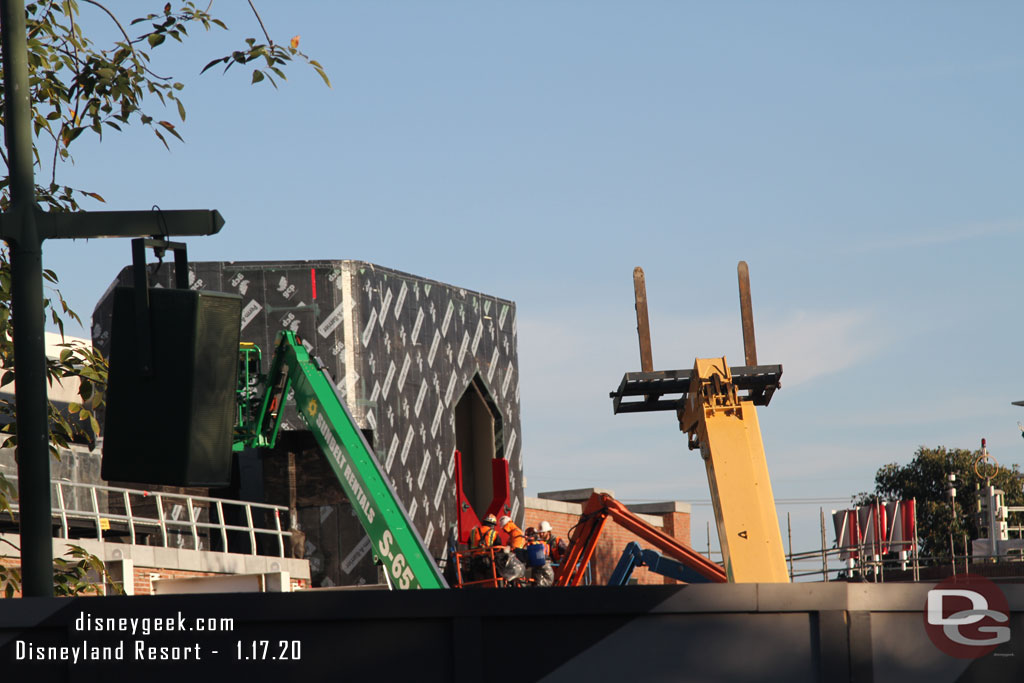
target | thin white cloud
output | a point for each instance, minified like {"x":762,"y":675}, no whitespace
{"x":569,"y":363}
{"x":813,"y":344}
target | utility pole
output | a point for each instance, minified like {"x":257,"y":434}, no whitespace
{"x":26,"y":250}
{"x":24,"y":227}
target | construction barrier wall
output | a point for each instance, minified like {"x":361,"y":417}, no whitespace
{"x":822,"y":633}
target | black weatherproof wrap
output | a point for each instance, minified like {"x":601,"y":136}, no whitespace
{"x":400,"y":349}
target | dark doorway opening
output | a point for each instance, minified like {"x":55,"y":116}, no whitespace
{"x":478,"y":438}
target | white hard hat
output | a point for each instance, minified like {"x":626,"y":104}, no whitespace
{"x":504,"y":520}
{"x":545,"y":526}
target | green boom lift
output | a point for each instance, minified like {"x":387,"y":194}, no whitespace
{"x":395,"y":541}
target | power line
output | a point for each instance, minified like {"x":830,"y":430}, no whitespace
{"x":778,"y":501}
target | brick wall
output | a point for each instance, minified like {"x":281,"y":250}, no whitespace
{"x":672,"y":518}
{"x":145,"y":576}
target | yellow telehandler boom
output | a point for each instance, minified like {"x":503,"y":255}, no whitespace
{"x":715,"y":406}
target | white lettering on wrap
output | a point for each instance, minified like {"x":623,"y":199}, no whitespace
{"x":405,"y":371}
{"x":477,"y":335}
{"x":250,"y":311}
{"x":417,"y":325}
{"x":388,"y":379}
{"x":358,"y":553}
{"x":384,"y":306}
{"x":463,"y":347}
{"x":332,"y":321}
{"x":447,"y":318}
{"x":433,"y":348}
{"x":368,"y":330}
{"x":493,"y":366}
{"x":401,"y":298}
{"x":409,"y":436}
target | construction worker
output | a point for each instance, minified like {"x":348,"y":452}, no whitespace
{"x":516,"y":539}
{"x":556,"y":546}
{"x":484,"y":536}
{"x":481,"y":539}
{"x":538,"y":561}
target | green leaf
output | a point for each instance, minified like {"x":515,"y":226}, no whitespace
{"x":162,"y":139}
{"x":156,"y":38}
{"x":257,"y":76}
{"x":170,"y":128}
{"x":320,"y":70}
{"x":71,"y":134}
{"x":216,"y":61}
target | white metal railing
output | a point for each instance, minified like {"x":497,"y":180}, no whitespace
{"x":1019,"y":528}
{"x":67,"y":510}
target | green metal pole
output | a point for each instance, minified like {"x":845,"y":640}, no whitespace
{"x":27,"y":314}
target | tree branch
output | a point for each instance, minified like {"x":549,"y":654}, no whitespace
{"x":78,"y":72}
{"x":42,"y":19}
{"x":112,"y":18}
{"x":127,"y":40}
{"x":259,"y":19}
{"x":53,"y":173}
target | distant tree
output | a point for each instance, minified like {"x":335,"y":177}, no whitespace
{"x":926,"y":479}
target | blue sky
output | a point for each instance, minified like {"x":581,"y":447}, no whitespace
{"x":865,"y":159}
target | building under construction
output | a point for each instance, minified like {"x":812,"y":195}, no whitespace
{"x":398,"y":408}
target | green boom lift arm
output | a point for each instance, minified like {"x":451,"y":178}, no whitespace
{"x":395,"y":541}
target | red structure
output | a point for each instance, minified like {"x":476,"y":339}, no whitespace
{"x":466,"y":516}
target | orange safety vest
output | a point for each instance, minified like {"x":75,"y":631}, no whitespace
{"x":479,"y":538}
{"x":515,"y":535}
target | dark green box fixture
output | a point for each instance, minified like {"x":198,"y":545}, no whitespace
{"x":171,"y":398}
